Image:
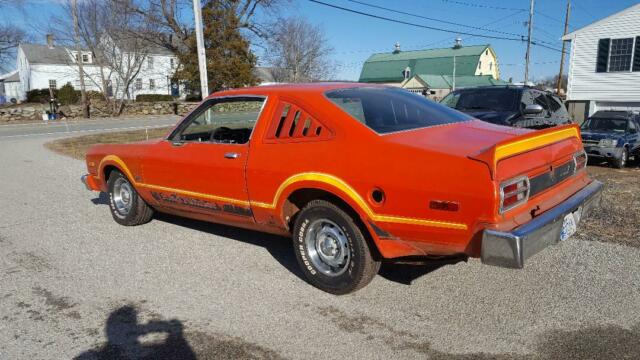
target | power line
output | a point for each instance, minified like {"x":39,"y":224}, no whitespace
{"x":433,"y":19}
{"x":480,"y":5}
{"x":413,"y":24}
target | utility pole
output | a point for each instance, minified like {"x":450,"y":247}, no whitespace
{"x":76,"y":30}
{"x":202,"y":59}
{"x":564,"y":43}
{"x":528,"y":56}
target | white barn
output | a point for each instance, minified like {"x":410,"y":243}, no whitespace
{"x":604,"y":67}
{"x":51,"y":66}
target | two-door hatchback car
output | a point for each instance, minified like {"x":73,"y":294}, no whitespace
{"x":356,"y":174}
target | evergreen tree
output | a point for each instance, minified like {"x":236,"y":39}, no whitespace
{"x":229,"y":59}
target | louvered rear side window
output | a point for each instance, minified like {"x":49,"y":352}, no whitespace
{"x":292,"y":123}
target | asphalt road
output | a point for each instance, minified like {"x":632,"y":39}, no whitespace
{"x":73,"y":283}
{"x":78,"y":127}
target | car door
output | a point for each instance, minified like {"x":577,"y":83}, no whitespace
{"x":201,"y":166}
{"x":633,"y":138}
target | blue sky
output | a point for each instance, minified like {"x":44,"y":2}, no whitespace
{"x":355,"y":37}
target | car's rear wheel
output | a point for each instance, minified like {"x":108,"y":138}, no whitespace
{"x":621,"y":162}
{"x":127,"y":207}
{"x":331,"y":249}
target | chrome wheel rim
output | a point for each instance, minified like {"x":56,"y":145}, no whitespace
{"x":328,"y":247}
{"x":122,"y":196}
{"x":623,"y":159}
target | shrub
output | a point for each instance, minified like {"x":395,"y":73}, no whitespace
{"x":67,"y":95}
{"x":153,"y":97}
{"x":40,"y":95}
{"x":193,"y":98}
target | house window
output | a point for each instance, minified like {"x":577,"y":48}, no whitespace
{"x":85,"y":58}
{"x":52,"y":84}
{"x":172,"y":63}
{"x":138,"y":84}
{"x":152,"y":84}
{"x":490,"y":66}
{"x":620,"y":54}
{"x":479,"y":64}
{"x":150,"y":63}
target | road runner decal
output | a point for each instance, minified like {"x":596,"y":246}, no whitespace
{"x":201,"y":204}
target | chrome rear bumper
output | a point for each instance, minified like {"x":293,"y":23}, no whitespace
{"x":511,"y":249}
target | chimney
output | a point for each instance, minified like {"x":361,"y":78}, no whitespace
{"x":50,"y":41}
{"x":458,"y":43}
{"x":396,"y":49}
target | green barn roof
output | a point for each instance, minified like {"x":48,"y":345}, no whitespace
{"x":388,"y":67}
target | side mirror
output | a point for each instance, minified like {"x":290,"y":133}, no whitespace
{"x":533,"y":109}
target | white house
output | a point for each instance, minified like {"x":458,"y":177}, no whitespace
{"x":52,"y":66}
{"x":604,"y":68}
{"x":10,"y":87}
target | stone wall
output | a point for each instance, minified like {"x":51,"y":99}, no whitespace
{"x":33,"y":112}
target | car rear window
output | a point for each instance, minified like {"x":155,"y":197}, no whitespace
{"x":483,"y":100}
{"x":387,"y":110}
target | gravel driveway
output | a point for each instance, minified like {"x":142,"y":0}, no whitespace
{"x":73,"y":283}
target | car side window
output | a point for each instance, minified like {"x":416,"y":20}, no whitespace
{"x":541,"y":99}
{"x":527,"y":99}
{"x":632,"y":127}
{"x":557,"y":107}
{"x":227,"y":121}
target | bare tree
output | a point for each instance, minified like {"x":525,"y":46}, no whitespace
{"x":115,"y":35}
{"x":299,"y":51}
{"x":173,"y":17}
{"x":10,"y":36}
{"x":76,"y":38}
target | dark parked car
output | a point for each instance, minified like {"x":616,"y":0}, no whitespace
{"x":612,"y":136}
{"x":517,"y":106}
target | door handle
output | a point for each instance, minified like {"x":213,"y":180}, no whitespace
{"x":177,"y":143}
{"x":231,"y":155}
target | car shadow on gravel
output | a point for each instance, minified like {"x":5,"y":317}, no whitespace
{"x":280,"y":248}
{"x":102,"y":199}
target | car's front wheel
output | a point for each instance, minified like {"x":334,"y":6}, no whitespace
{"x":331,"y":249}
{"x":127,"y":207}
{"x":621,"y":162}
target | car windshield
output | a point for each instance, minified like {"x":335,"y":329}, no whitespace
{"x":482,"y":99}
{"x":386,"y":110}
{"x":605,"y":125}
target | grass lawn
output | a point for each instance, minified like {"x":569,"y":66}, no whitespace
{"x":76,"y":147}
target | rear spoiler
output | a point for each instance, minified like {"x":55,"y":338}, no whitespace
{"x":523,"y":143}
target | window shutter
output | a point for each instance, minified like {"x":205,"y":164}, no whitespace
{"x":603,"y":55}
{"x":636,"y":57}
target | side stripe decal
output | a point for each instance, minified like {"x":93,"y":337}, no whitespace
{"x":310,"y":176}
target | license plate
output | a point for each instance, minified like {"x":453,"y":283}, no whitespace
{"x":570,"y":224}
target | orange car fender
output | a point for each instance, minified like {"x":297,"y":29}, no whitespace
{"x":388,"y":248}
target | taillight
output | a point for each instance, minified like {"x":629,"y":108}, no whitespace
{"x":580,"y":160}
{"x":514,"y":192}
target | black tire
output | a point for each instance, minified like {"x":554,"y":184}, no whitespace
{"x":621,"y":162}
{"x":138,"y":212}
{"x":324,"y":219}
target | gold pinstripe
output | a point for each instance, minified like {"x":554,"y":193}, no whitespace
{"x":309,"y":176}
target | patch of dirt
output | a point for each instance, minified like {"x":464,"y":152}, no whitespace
{"x":76,"y":147}
{"x":618,"y":218}
{"x":30,"y":261}
{"x":58,"y":303}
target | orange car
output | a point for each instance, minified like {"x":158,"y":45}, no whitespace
{"x":355,"y":174}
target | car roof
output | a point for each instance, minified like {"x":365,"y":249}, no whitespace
{"x":317,"y":87}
